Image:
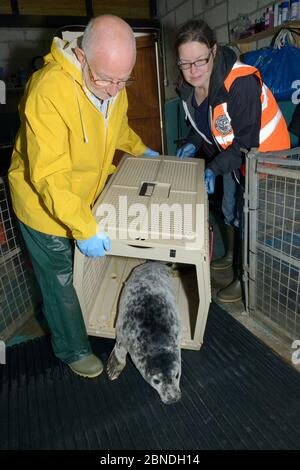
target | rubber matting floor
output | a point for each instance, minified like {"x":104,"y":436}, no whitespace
{"x":236,"y":394}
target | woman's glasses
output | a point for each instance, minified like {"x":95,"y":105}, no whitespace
{"x":197,"y":63}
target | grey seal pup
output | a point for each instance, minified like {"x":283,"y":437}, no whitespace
{"x":149,"y":329}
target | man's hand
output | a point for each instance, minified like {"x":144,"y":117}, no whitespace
{"x":150,"y":153}
{"x":95,"y":245}
{"x":209,"y":180}
{"x":187,"y":150}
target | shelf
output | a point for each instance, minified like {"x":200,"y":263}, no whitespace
{"x":244,"y":42}
{"x":15,"y":88}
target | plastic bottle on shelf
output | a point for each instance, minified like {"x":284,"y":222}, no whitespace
{"x":294,"y":10}
{"x":269,"y":18}
{"x":279,"y":19}
{"x":263,"y":22}
{"x":285,"y":12}
{"x":276,"y":13}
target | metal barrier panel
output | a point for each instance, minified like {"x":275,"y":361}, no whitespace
{"x":17,"y":294}
{"x":272,"y":258}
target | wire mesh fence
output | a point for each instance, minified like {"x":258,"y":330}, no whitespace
{"x":272,"y":255}
{"x":18,"y":296}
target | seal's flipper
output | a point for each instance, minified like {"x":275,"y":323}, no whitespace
{"x":116,"y":362}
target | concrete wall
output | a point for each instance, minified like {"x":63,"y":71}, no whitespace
{"x":18,"y":46}
{"x":218,"y":14}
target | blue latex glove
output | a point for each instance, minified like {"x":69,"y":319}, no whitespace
{"x":150,"y":153}
{"x":187,"y":150}
{"x":95,"y":245}
{"x":209,"y":180}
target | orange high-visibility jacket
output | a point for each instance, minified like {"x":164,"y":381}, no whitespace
{"x":273,"y":134}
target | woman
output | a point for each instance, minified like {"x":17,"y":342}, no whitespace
{"x":229,"y":108}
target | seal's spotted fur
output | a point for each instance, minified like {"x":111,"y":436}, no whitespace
{"x":148,"y":328}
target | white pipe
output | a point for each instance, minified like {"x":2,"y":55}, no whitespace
{"x":159,"y":99}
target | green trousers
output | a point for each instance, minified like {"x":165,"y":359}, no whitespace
{"x":52,"y":260}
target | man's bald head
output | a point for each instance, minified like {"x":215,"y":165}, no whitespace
{"x":107,"y":55}
{"x":109,"y":38}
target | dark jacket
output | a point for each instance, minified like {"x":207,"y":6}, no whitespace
{"x":294,"y":126}
{"x":244,"y":109}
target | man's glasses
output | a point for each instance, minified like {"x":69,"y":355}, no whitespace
{"x":101,"y":83}
{"x":197,"y":63}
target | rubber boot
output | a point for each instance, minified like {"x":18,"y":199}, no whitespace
{"x":226,"y":261}
{"x":233,"y":292}
{"x":88,"y":366}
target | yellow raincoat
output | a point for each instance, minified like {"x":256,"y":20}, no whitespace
{"x":64,"y":149}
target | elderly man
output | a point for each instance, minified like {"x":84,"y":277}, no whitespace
{"x":73,"y":118}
